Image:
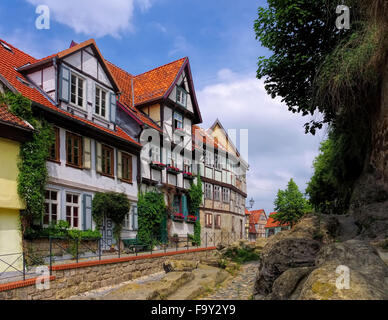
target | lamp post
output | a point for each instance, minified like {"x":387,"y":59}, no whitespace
{"x":251,"y":202}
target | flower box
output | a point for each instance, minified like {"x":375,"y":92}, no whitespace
{"x":176,"y":216}
{"x":173,"y":170}
{"x":188,"y":175}
{"x":179,"y":131}
{"x":191,"y":219}
{"x":157,"y":165}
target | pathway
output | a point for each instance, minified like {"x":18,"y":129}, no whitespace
{"x":239,"y":287}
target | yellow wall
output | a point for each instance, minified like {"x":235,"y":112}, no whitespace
{"x":10,"y":204}
{"x":219,"y":133}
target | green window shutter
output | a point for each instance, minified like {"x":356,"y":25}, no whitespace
{"x":64,"y":84}
{"x":112,"y":107}
{"x":185,"y":209}
{"x":87,"y":212}
{"x":119,"y":162}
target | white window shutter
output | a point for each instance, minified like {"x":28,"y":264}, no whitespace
{"x":119,"y":165}
{"x":98,"y":157}
{"x":64,"y":84}
{"x":87,"y":153}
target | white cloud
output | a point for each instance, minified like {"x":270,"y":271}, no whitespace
{"x":95,"y":18}
{"x":278,"y":147}
{"x":180,"y":46}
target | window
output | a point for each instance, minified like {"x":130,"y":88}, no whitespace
{"x":208,"y":220}
{"x":217,"y":164}
{"x":155,"y":153}
{"x":74,"y":150}
{"x":51,"y":207}
{"x":107,"y":160}
{"x":172,"y":158}
{"x":54,"y":149}
{"x":178,"y":120}
{"x":181,"y":96}
{"x":126,"y":167}
{"x":225,"y":195}
{"x":187,"y":166}
{"x":77,"y":91}
{"x":100,"y":104}
{"x":218,"y":221}
{"x":217,"y":190}
{"x":134,"y":222}
{"x":72,"y":209}
{"x":130,"y":219}
{"x":208,"y":159}
{"x":208,"y":191}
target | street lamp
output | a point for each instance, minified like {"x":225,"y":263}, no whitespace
{"x":251,"y":202}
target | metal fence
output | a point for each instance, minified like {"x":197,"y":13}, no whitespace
{"x":57,"y":251}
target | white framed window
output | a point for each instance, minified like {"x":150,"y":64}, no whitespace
{"x":208,"y":191}
{"x":172,"y":158}
{"x":155,"y":154}
{"x":178,"y":120}
{"x":225,"y":195}
{"x":101,"y":102}
{"x":209,"y":159}
{"x":77,"y":90}
{"x":217,"y":190}
{"x":181,"y":96}
{"x":51,"y":205}
{"x":73,"y":209}
{"x":134,"y":220}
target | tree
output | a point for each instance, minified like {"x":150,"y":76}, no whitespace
{"x":342,"y":74}
{"x":290,"y":205}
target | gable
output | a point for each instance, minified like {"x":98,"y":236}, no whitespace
{"x":183,"y":82}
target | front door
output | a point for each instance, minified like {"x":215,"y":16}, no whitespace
{"x":107,"y":234}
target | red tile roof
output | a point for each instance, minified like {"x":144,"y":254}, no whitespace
{"x":8,"y":117}
{"x":11,"y":60}
{"x":271,"y":223}
{"x":255,"y":216}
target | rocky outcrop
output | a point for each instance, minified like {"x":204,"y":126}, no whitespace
{"x":307,"y":263}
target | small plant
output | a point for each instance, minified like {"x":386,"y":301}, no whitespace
{"x":222,"y":263}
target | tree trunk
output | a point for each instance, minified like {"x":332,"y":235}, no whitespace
{"x":369,"y":202}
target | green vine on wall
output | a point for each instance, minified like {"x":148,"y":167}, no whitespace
{"x":151,"y":210}
{"x":113,"y":205}
{"x":33,"y":175}
{"x":195,"y":200}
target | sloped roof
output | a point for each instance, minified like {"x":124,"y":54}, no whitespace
{"x":271,"y":223}
{"x":199,"y":134}
{"x":255,"y":216}
{"x":7,"y":117}
{"x":10,"y":61}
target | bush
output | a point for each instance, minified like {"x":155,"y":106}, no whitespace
{"x":241,"y":255}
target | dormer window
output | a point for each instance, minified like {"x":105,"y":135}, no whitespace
{"x":77,"y":91}
{"x":100,"y":105}
{"x":181,"y":96}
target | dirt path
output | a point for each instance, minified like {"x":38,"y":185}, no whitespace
{"x":239,"y":287}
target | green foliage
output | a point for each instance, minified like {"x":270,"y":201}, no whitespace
{"x":151,"y":209}
{"x":32,"y":177}
{"x":290,"y":205}
{"x":241,"y":255}
{"x":61,"y":230}
{"x":113,"y":205}
{"x":195,"y":200}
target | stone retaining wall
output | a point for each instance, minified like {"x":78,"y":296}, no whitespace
{"x":72,"y":279}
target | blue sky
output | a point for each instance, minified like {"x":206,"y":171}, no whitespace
{"x":219,"y":40}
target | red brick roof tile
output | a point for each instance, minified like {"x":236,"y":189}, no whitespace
{"x":8,"y":117}
{"x":271,"y":223}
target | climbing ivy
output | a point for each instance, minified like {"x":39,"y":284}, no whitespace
{"x":195,"y":199}
{"x":32,"y":177}
{"x":151,"y":210}
{"x":113,"y":205}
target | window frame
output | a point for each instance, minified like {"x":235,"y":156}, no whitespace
{"x":111,"y":174}
{"x":175,"y":120}
{"x":225,"y":195}
{"x":182,"y":94}
{"x":72,"y":205}
{"x":208,"y":220}
{"x":101,"y":90}
{"x":51,"y":202}
{"x":78,"y":77}
{"x":130,"y":172}
{"x":216,"y":193}
{"x":208,"y":191}
{"x":80,"y":150}
{"x":217,"y":221}
{"x":56,"y":147}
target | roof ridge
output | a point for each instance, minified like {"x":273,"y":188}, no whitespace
{"x":116,"y":66}
{"x":164,"y":65}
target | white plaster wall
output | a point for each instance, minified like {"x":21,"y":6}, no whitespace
{"x":49,"y":79}
{"x":181,"y":228}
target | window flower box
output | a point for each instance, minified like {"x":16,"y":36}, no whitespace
{"x":176,"y":216}
{"x":157,"y":165}
{"x":191,"y":219}
{"x":173,"y":170}
{"x":179,"y":131}
{"x":188,"y":175}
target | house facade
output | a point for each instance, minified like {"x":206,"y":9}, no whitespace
{"x":257,"y":221}
{"x":272,"y":227}
{"x":75,"y":91}
{"x":13,"y":131}
{"x":223,"y":175}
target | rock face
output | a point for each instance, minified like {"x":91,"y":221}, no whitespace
{"x":301,"y":264}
